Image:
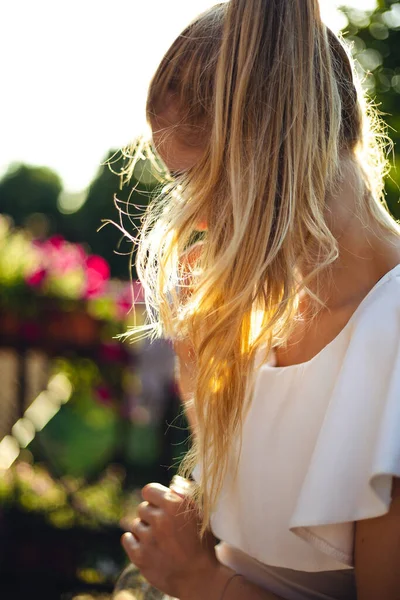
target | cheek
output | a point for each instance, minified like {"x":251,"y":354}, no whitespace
{"x":176,"y":155}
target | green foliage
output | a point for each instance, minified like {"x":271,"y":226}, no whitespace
{"x":81,"y":437}
{"x":31,"y":196}
{"x":26,"y":190}
{"x":107,"y":201}
{"x":67,"y":503}
{"x":375,"y":39}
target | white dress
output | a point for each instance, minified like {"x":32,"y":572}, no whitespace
{"x":320,"y":448}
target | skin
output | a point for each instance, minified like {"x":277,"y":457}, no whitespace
{"x":164,"y":541}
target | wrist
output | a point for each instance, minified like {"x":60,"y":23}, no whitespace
{"x":209,"y":582}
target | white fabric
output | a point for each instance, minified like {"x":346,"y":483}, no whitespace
{"x":321,"y":444}
{"x":290,"y":584}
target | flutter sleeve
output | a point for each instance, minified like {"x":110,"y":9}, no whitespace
{"x":357,"y":453}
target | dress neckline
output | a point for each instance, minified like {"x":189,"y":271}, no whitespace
{"x":271,"y":367}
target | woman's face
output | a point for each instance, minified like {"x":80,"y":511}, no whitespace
{"x":178,"y":154}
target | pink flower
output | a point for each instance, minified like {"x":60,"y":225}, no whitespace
{"x":56,"y":241}
{"x":103,"y":395}
{"x":112,"y":352}
{"x":65,"y":258}
{"x":97,"y":275}
{"x":36,"y":278}
{"x":124,"y":301}
{"x":59,"y":256}
{"x":131,"y":294}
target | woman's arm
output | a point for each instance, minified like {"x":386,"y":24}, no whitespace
{"x":377,"y":553}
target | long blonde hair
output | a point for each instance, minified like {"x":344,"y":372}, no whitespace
{"x":270,"y":93}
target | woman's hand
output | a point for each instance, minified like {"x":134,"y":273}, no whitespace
{"x":164,"y":543}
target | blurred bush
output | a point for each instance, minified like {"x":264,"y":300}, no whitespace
{"x":34,"y":198}
{"x":375,"y":40}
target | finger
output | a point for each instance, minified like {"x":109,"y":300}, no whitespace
{"x":141,"y":531}
{"x":148,"y":513}
{"x":156,"y":494}
{"x":132,"y":547}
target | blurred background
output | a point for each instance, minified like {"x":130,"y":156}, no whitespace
{"x":86,"y":419}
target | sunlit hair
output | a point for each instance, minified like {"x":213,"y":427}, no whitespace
{"x":270,"y":93}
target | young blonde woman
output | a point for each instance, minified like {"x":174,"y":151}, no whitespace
{"x":285,"y":316}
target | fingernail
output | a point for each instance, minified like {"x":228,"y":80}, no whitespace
{"x":129,"y":541}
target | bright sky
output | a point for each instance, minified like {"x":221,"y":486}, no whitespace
{"x":74,"y":75}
